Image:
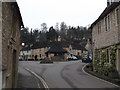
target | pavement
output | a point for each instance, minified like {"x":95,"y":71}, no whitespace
{"x":26,"y":79}
{"x":67,"y":74}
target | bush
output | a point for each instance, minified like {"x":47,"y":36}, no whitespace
{"x":101,"y":65}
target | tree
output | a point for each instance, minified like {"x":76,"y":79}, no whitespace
{"x":42,"y":36}
{"x":52,"y":35}
{"x":72,"y":34}
{"x":25,"y":35}
{"x":32,"y":38}
{"x":44,"y":27}
{"x":63,"y":30}
{"x":57,"y":27}
{"x":35,"y":35}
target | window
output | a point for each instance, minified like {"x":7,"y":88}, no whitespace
{"x":99,"y":28}
{"x":82,"y":51}
{"x":40,"y":55}
{"x":118,"y":16}
{"x":107,"y":23}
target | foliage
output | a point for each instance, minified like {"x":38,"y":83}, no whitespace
{"x":100,"y":65}
{"x":72,"y":34}
{"x":25,"y":36}
{"x":52,"y":35}
{"x":113,"y":55}
{"x":44,"y":27}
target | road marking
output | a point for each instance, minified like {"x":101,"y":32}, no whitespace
{"x":43,"y":82}
{"x":97,"y":77}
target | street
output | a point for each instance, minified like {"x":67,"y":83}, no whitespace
{"x":67,"y":74}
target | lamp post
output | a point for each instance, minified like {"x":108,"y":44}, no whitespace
{"x":22,"y":44}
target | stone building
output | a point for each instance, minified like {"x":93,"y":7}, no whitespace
{"x":106,"y":38}
{"x":34,"y":51}
{"x":25,"y":53}
{"x":56,"y":52}
{"x":11,"y":26}
{"x":39,"y":49}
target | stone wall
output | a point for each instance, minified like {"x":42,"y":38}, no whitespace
{"x":106,"y":38}
{"x":11,"y":25}
{"x":118,"y":25}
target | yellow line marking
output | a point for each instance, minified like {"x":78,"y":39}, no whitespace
{"x":43,"y":82}
{"x":97,"y":77}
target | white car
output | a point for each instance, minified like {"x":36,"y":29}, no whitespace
{"x":72,"y":57}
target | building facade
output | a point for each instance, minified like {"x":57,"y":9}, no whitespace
{"x":11,"y":26}
{"x":106,"y":39}
{"x":38,"y":50}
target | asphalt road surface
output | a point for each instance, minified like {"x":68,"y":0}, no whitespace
{"x":69,"y":74}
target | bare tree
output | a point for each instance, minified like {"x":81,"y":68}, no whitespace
{"x":63,"y":30}
{"x":44,"y":27}
{"x":57,"y":26}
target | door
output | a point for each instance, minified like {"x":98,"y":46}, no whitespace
{"x":14,"y":68}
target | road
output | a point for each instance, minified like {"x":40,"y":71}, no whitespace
{"x":62,"y":75}
{"x":26,"y":79}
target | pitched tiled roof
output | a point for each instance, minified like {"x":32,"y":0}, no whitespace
{"x":56,"y":48}
{"x":18,"y":11}
{"x":64,"y":44}
{"x":106,"y":12}
{"x":41,"y":45}
{"x":26,"y":48}
{"x":77,"y":47}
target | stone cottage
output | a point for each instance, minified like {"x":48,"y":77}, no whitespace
{"x":40,"y":49}
{"x":106,"y":40}
{"x":11,"y":26}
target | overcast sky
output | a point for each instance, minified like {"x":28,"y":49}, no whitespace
{"x":72,"y":12}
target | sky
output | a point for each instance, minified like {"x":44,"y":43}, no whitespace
{"x":72,"y":12}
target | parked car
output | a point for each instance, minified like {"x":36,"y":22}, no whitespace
{"x":87,"y":58}
{"x":72,"y":57}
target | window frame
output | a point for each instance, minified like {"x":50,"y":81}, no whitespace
{"x":99,"y":28}
{"x":118,"y":15}
{"x":107,"y":23}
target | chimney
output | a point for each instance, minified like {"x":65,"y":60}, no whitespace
{"x":109,"y":2}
